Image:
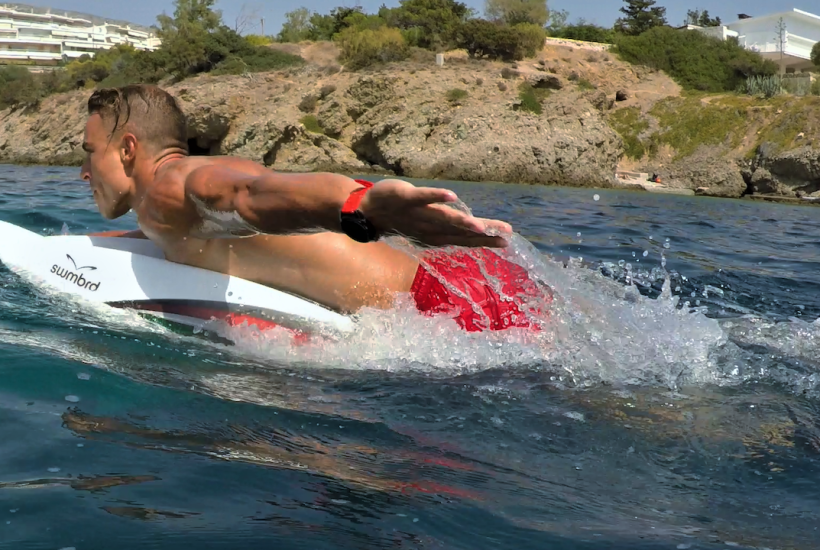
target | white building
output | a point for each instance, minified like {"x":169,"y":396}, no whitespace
{"x":801,"y":31}
{"x":46,"y":38}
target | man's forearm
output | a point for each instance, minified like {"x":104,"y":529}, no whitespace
{"x":294,"y":203}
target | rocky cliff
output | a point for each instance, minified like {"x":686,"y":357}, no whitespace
{"x":465,"y":121}
{"x":407,"y":122}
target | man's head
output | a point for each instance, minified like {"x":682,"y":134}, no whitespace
{"x":128,"y":130}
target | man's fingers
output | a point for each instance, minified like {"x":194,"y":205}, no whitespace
{"x":422,"y":196}
{"x":445,"y":215}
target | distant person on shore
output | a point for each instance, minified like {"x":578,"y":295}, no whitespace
{"x":314,"y":235}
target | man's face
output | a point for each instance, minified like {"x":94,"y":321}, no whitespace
{"x":104,"y":170}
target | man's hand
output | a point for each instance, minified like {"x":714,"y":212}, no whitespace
{"x":397,"y":207}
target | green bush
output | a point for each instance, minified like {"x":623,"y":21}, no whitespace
{"x":360,"y":49}
{"x":312,"y":124}
{"x":587,"y":33}
{"x":585,"y":84}
{"x":815,"y":87}
{"x":456,"y":95}
{"x":531,"y":98}
{"x":696,"y":61}
{"x":530,"y":38}
{"x":18,"y":87}
{"x":483,"y":38}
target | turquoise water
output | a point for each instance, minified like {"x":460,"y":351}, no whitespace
{"x":678,"y":416}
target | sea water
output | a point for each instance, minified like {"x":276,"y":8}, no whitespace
{"x":670,"y":402}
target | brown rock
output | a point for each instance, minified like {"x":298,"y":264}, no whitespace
{"x":621,"y":95}
{"x":545,"y":81}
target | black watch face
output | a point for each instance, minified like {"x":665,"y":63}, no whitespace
{"x":355,"y":226}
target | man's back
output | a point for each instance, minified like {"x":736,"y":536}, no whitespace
{"x":328,"y":268}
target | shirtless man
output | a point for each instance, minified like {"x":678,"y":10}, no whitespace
{"x":313,"y":235}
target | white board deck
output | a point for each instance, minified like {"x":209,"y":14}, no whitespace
{"x":133,"y":274}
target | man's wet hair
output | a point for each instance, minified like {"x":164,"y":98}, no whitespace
{"x":148,"y":112}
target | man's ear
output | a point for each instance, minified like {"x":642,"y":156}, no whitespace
{"x":128,"y":148}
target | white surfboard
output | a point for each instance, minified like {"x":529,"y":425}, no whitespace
{"x":133,"y":274}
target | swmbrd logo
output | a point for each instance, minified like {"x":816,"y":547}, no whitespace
{"x":74,"y":277}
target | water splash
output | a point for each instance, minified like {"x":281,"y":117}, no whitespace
{"x":599,"y":331}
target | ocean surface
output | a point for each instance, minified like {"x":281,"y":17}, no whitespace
{"x":673,"y":402}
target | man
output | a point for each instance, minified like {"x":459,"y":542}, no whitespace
{"x":313,"y":235}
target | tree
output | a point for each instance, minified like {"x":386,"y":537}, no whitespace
{"x":296,"y":26}
{"x":781,"y":41}
{"x":815,"y":55}
{"x":701,"y":18}
{"x":641,"y":15}
{"x":247,"y":19}
{"x":513,"y":12}
{"x":557,"y":22}
{"x":427,"y":23}
{"x":326,"y":26}
{"x":185,"y":36}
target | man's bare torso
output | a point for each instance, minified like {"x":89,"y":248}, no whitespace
{"x":328,"y":268}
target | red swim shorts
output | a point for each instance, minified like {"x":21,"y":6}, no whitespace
{"x":464,"y":284}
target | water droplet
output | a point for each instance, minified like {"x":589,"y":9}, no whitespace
{"x":14,"y":510}
{"x":54,"y":470}
{"x":578,"y":234}
{"x":666,"y":245}
{"x":575,"y":416}
{"x":645,"y":253}
{"x":415,"y":520}
{"x":65,"y":230}
{"x":633,"y":254}
{"x":72,"y":398}
{"x":677,"y":289}
{"x":596,"y":197}
{"x":683,"y":546}
{"x":84,"y":376}
{"x":80,"y":445}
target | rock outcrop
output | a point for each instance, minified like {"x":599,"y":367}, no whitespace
{"x":399,"y":123}
{"x":792,"y":173}
{"x":709,"y":174}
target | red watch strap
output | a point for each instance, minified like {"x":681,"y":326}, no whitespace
{"x":355,"y":198}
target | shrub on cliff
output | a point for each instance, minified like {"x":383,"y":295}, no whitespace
{"x":18,"y":87}
{"x":482,"y":38}
{"x":360,"y":49}
{"x":696,"y":61}
{"x":585,"y":32}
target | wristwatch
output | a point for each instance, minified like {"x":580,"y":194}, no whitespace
{"x":353,"y":222}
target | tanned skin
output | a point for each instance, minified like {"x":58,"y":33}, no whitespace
{"x":237,"y":217}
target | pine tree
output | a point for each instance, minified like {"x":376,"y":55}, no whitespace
{"x":641,"y":15}
{"x":701,"y":18}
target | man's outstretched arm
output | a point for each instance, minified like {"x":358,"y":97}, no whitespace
{"x":281,"y":204}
